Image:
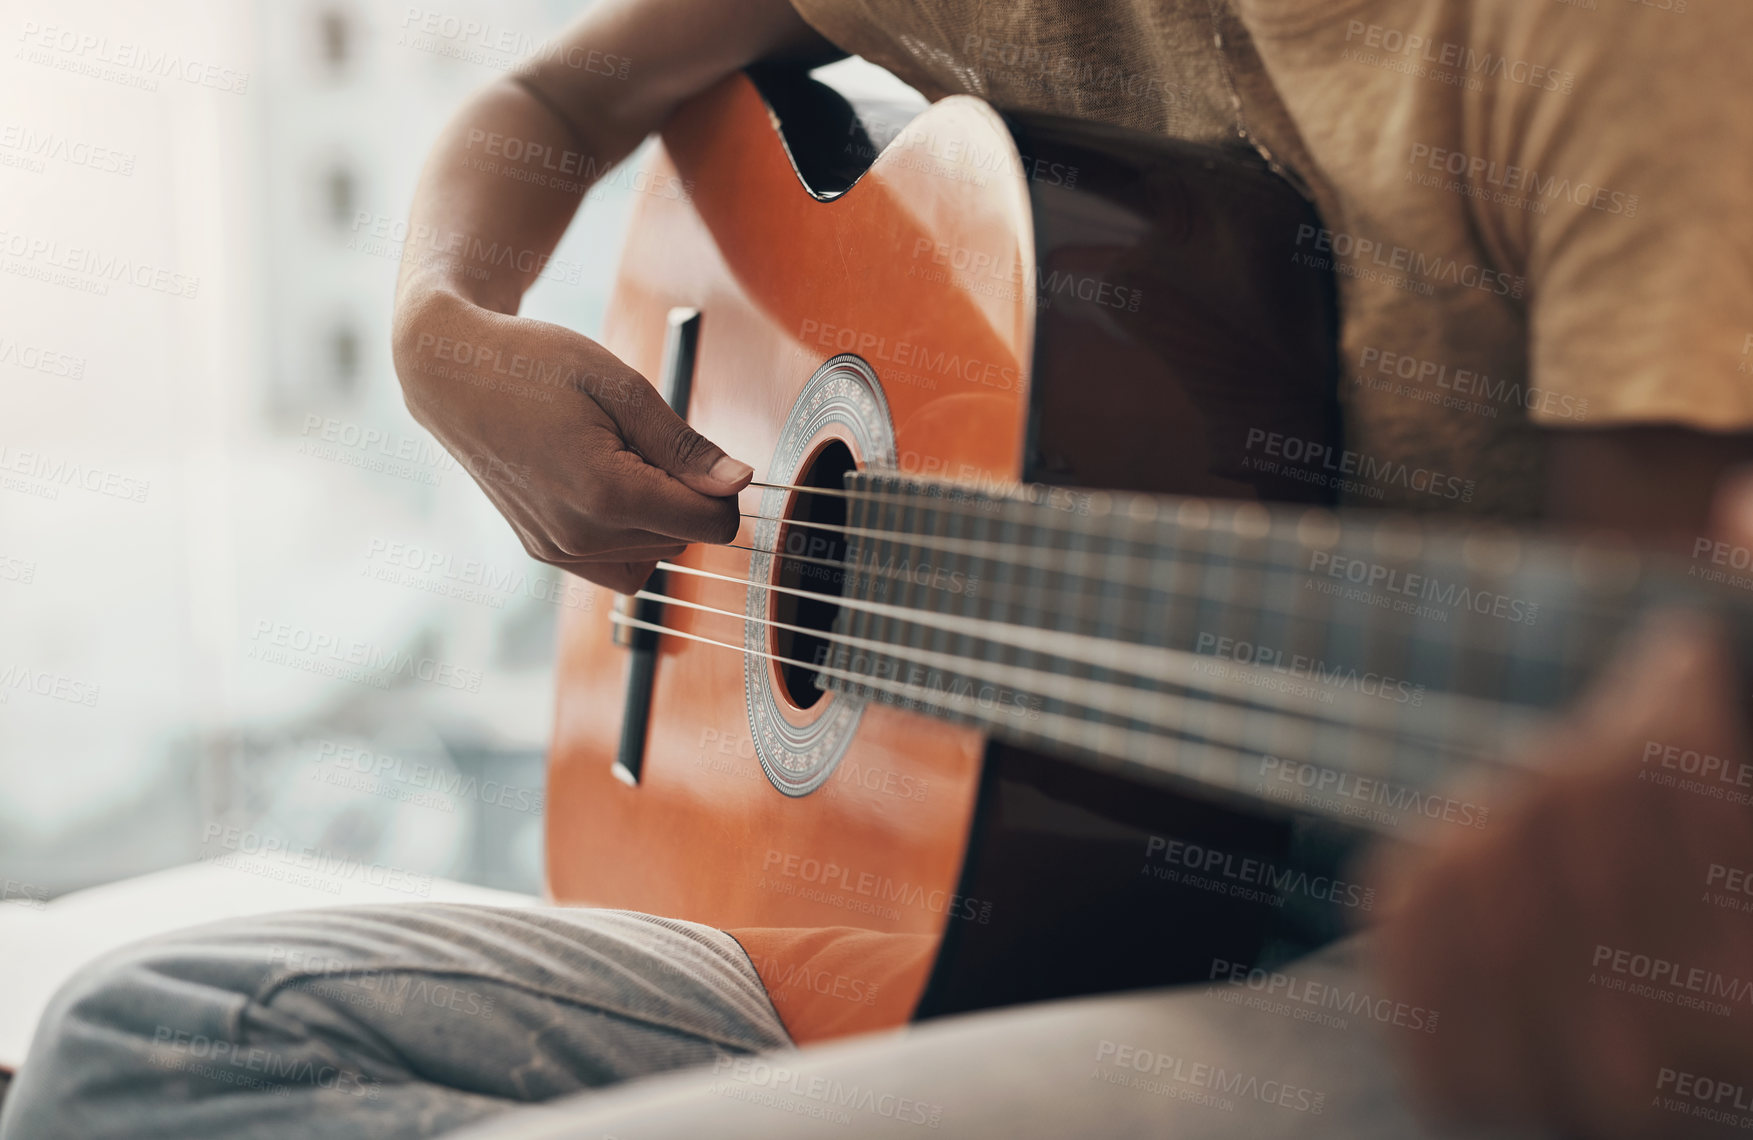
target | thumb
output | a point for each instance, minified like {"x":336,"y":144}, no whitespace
{"x":666,"y":442}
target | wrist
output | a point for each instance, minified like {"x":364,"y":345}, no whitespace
{"x":427,"y":312}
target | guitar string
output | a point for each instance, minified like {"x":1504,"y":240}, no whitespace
{"x":1208,"y":517}
{"x":947,"y":506}
{"x":962,"y":499}
{"x":1171,"y":666}
{"x":1018,"y":594}
{"x":1412,"y":532}
{"x":988,"y":590}
{"x":1012,"y":593}
{"x":940,"y":700}
{"x":1140,"y":747}
{"x":1374,"y":720}
{"x":1071,"y":690}
{"x":1473,"y":636}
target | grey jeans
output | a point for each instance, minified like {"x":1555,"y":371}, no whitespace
{"x":421,"y":1020}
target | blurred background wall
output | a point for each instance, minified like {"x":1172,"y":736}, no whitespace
{"x":239,"y":587}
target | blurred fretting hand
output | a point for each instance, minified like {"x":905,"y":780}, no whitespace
{"x":1559,"y":945}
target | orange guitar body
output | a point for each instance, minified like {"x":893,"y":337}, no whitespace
{"x":925,"y":270}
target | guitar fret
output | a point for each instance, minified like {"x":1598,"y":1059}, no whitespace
{"x":924,"y":593}
{"x":906,"y":595}
{"x":1081,"y":616}
{"x":858,"y":582}
{"x":977,"y":584}
{"x":888,"y":520}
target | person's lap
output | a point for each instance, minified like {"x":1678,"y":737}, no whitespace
{"x":379,"y":1021}
{"x":1183,"y":1064}
{"x":423,"y":1019}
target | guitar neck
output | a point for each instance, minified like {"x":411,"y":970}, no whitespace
{"x":1355,"y":665}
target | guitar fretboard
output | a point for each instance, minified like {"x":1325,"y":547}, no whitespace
{"x":1349,"y":664}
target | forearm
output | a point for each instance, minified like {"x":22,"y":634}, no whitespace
{"x":484,"y":222}
{"x":482,"y":227}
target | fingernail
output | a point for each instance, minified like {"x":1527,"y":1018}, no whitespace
{"x":728,"y":470}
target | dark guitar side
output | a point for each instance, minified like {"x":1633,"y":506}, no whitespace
{"x":1228,"y":337}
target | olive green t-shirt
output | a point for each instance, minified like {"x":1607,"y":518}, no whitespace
{"x":1540,"y":212}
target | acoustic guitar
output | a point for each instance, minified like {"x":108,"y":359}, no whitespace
{"x":1041,"y":647}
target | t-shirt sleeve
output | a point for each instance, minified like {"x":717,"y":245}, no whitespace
{"x":901,"y":35}
{"x":1625,"y":195}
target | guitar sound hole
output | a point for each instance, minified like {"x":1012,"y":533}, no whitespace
{"x":813,"y":555}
